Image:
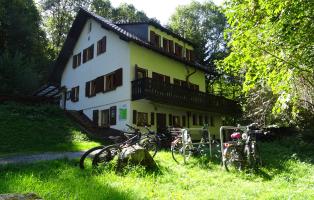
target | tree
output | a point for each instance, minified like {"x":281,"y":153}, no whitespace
{"x":204,"y":25}
{"x":23,"y":60}
{"x":272,"y":47}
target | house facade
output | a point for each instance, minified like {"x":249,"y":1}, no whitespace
{"x":135,"y":73}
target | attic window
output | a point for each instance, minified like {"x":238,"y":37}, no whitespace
{"x":101,"y":45}
{"x":76,"y":60}
{"x":88,"y":53}
{"x":155,"y":39}
{"x":90,"y":27}
{"x":189,"y":55}
{"x":178,"y":50}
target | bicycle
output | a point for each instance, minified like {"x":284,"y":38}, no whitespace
{"x":105,"y":154}
{"x":242,"y":152}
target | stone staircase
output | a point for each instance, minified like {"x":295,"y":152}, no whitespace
{"x":91,"y":128}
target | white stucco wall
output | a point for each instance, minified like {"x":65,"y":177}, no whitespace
{"x":117,"y":56}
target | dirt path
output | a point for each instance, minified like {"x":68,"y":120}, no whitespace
{"x":40,"y":157}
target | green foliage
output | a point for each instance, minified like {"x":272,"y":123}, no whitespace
{"x":23,"y":54}
{"x":59,"y":16}
{"x":272,"y":47}
{"x":284,"y":176}
{"x":40,"y":128}
{"x":203,"y":24}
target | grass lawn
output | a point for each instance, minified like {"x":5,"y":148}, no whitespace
{"x":28,"y":129}
{"x":288,"y":174}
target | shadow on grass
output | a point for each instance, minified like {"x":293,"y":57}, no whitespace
{"x":60,"y":179}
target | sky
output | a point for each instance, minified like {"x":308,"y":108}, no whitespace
{"x":160,"y":9}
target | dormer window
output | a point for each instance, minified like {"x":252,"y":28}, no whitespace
{"x":154,"y":39}
{"x":178,"y":50}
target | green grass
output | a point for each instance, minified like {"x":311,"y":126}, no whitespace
{"x":27,"y":129}
{"x":288,"y":174}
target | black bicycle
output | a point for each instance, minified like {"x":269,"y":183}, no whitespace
{"x":105,"y":154}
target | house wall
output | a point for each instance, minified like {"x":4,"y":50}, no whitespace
{"x":117,"y":55}
{"x":155,"y":62}
{"x":149,"y":106}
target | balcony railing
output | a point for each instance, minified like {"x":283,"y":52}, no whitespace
{"x":150,"y":89}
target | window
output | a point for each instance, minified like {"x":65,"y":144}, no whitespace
{"x":142,"y":119}
{"x":194,"y":120}
{"x":95,"y":117}
{"x":167,"y":45}
{"x":178,"y":50}
{"x":152,"y":118}
{"x":113,"y":115}
{"x":176,"y":82}
{"x":154,"y":39}
{"x":101,"y":45}
{"x":170,"y":120}
{"x":75,"y":94}
{"x":104,"y":118}
{"x":140,"y":73}
{"x":161,"y":78}
{"x":76,"y":60}
{"x":90,"y":27}
{"x":90,"y":88}
{"x":200,"y":121}
{"x":104,"y":83}
{"x":176,"y":121}
{"x":194,"y":87}
{"x":171,"y":47}
{"x":110,"y":82}
{"x":189,"y":55}
{"x":88,"y":53}
{"x":183,"y":121}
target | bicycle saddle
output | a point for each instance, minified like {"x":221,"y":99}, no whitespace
{"x":236,"y":135}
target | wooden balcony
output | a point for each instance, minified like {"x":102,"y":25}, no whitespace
{"x":150,"y":89}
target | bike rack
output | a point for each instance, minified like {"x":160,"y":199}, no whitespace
{"x":185,"y":133}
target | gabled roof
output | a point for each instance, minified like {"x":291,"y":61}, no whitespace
{"x":159,"y":26}
{"x":75,"y":31}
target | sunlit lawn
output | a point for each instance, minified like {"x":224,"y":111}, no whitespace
{"x":286,"y":175}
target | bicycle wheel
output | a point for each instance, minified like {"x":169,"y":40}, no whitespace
{"x":150,"y":144}
{"x":87,"y":158}
{"x":179,"y":154}
{"x":256,"y":156}
{"x":232,"y":159}
{"x":106,"y":155}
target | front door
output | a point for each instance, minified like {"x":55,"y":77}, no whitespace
{"x":161,"y":122}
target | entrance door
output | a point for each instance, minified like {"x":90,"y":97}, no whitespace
{"x":161,"y":122}
{"x":105,"y":118}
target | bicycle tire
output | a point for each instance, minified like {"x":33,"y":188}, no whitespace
{"x":87,"y":154}
{"x":232,"y":159}
{"x":106,"y":155}
{"x":150,"y":144}
{"x":177,"y":153}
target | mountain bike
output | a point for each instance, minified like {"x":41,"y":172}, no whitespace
{"x":242,"y":152}
{"x":105,"y":154}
